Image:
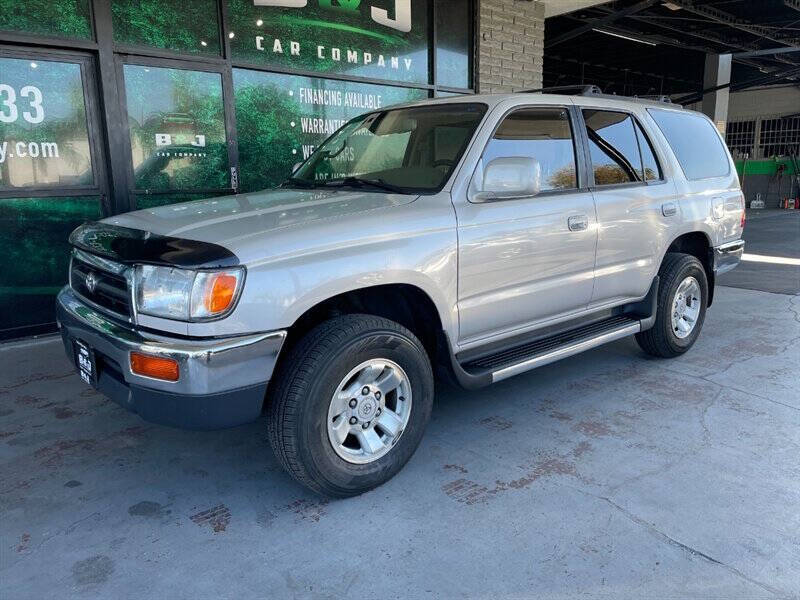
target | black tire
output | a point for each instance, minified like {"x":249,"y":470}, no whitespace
{"x":661,"y":340}
{"x":297,"y":411}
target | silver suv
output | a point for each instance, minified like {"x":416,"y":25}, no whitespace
{"x":479,"y":236}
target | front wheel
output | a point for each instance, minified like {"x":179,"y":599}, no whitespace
{"x":682,"y":300}
{"x":351,"y":404}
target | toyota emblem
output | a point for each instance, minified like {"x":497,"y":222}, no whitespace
{"x":90,"y":281}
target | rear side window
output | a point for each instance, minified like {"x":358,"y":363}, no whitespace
{"x":541,"y":133}
{"x":695,"y":143}
{"x":613,"y":147}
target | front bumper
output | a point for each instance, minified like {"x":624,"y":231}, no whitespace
{"x":222,"y":382}
{"x":727,"y":256}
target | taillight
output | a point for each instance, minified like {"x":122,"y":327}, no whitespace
{"x":744,"y":211}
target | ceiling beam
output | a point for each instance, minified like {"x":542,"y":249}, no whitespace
{"x":749,"y":52}
{"x":724,"y":18}
{"x":606,"y":20}
{"x":656,"y":76}
{"x":767,"y":51}
{"x":706,"y":37}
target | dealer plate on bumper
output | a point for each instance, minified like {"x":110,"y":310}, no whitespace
{"x":84,"y":360}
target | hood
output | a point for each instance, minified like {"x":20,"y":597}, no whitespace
{"x":228,"y":220}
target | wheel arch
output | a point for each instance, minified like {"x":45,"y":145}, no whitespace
{"x":697,"y":244}
{"x":403,"y":303}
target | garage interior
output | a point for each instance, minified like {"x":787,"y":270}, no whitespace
{"x":736,"y":60}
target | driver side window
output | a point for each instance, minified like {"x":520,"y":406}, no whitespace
{"x":544,"y":134}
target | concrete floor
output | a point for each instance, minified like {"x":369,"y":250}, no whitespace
{"x":606,"y":475}
{"x":769,"y":233}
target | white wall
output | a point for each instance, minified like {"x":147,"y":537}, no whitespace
{"x":559,"y":7}
{"x":761,"y":102}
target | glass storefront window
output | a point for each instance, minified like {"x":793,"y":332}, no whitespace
{"x":174,"y":25}
{"x":34,"y":253}
{"x":453,"y":42}
{"x":44,"y":138}
{"x":59,"y":18}
{"x":177,"y":129}
{"x":381,"y":39}
{"x":282,"y":118}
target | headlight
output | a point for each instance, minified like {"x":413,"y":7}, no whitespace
{"x":186,"y":295}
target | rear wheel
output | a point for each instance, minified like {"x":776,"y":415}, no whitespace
{"x":682,"y":300}
{"x":351,"y":404}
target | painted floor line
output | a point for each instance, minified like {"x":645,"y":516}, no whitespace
{"x":774,"y":260}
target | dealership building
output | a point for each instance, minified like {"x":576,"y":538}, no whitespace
{"x":108,"y":106}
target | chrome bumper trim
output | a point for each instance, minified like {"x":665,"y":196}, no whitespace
{"x":727,"y":256}
{"x":207,"y":366}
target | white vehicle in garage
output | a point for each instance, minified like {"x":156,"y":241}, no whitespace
{"x":479,"y":236}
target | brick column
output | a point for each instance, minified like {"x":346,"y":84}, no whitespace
{"x":510,"y":45}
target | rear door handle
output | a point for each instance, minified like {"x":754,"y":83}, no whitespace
{"x":668,"y":209}
{"x":578,"y":222}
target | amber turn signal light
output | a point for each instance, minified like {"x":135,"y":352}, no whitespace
{"x":154,"y":366}
{"x":219,"y":293}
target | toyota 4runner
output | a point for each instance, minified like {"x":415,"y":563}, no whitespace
{"x":479,"y":237}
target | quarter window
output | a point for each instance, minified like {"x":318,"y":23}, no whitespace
{"x":695,"y":142}
{"x":544,"y":134}
{"x":613,"y":147}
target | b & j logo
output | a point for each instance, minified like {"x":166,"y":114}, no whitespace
{"x":385,"y":57}
{"x":400,"y":22}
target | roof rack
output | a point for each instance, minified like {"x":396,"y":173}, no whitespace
{"x":570,"y":90}
{"x":594,"y":90}
{"x":655,"y":98}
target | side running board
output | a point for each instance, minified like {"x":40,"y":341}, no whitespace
{"x":528,"y":356}
{"x":477,"y":372}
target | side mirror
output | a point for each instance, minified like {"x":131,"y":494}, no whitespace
{"x":506,"y":179}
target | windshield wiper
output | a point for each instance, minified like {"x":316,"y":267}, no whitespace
{"x":363,"y":182}
{"x":298,"y":182}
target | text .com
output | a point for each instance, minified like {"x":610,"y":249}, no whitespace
{"x":28,"y":149}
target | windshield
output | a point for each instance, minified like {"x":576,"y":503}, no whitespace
{"x":405,"y":150}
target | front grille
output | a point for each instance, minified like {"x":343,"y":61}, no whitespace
{"x":109,"y":290}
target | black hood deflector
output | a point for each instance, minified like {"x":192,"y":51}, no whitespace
{"x":129,"y":246}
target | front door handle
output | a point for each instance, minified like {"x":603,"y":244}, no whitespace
{"x":668,"y":209}
{"x":578,"y":223}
